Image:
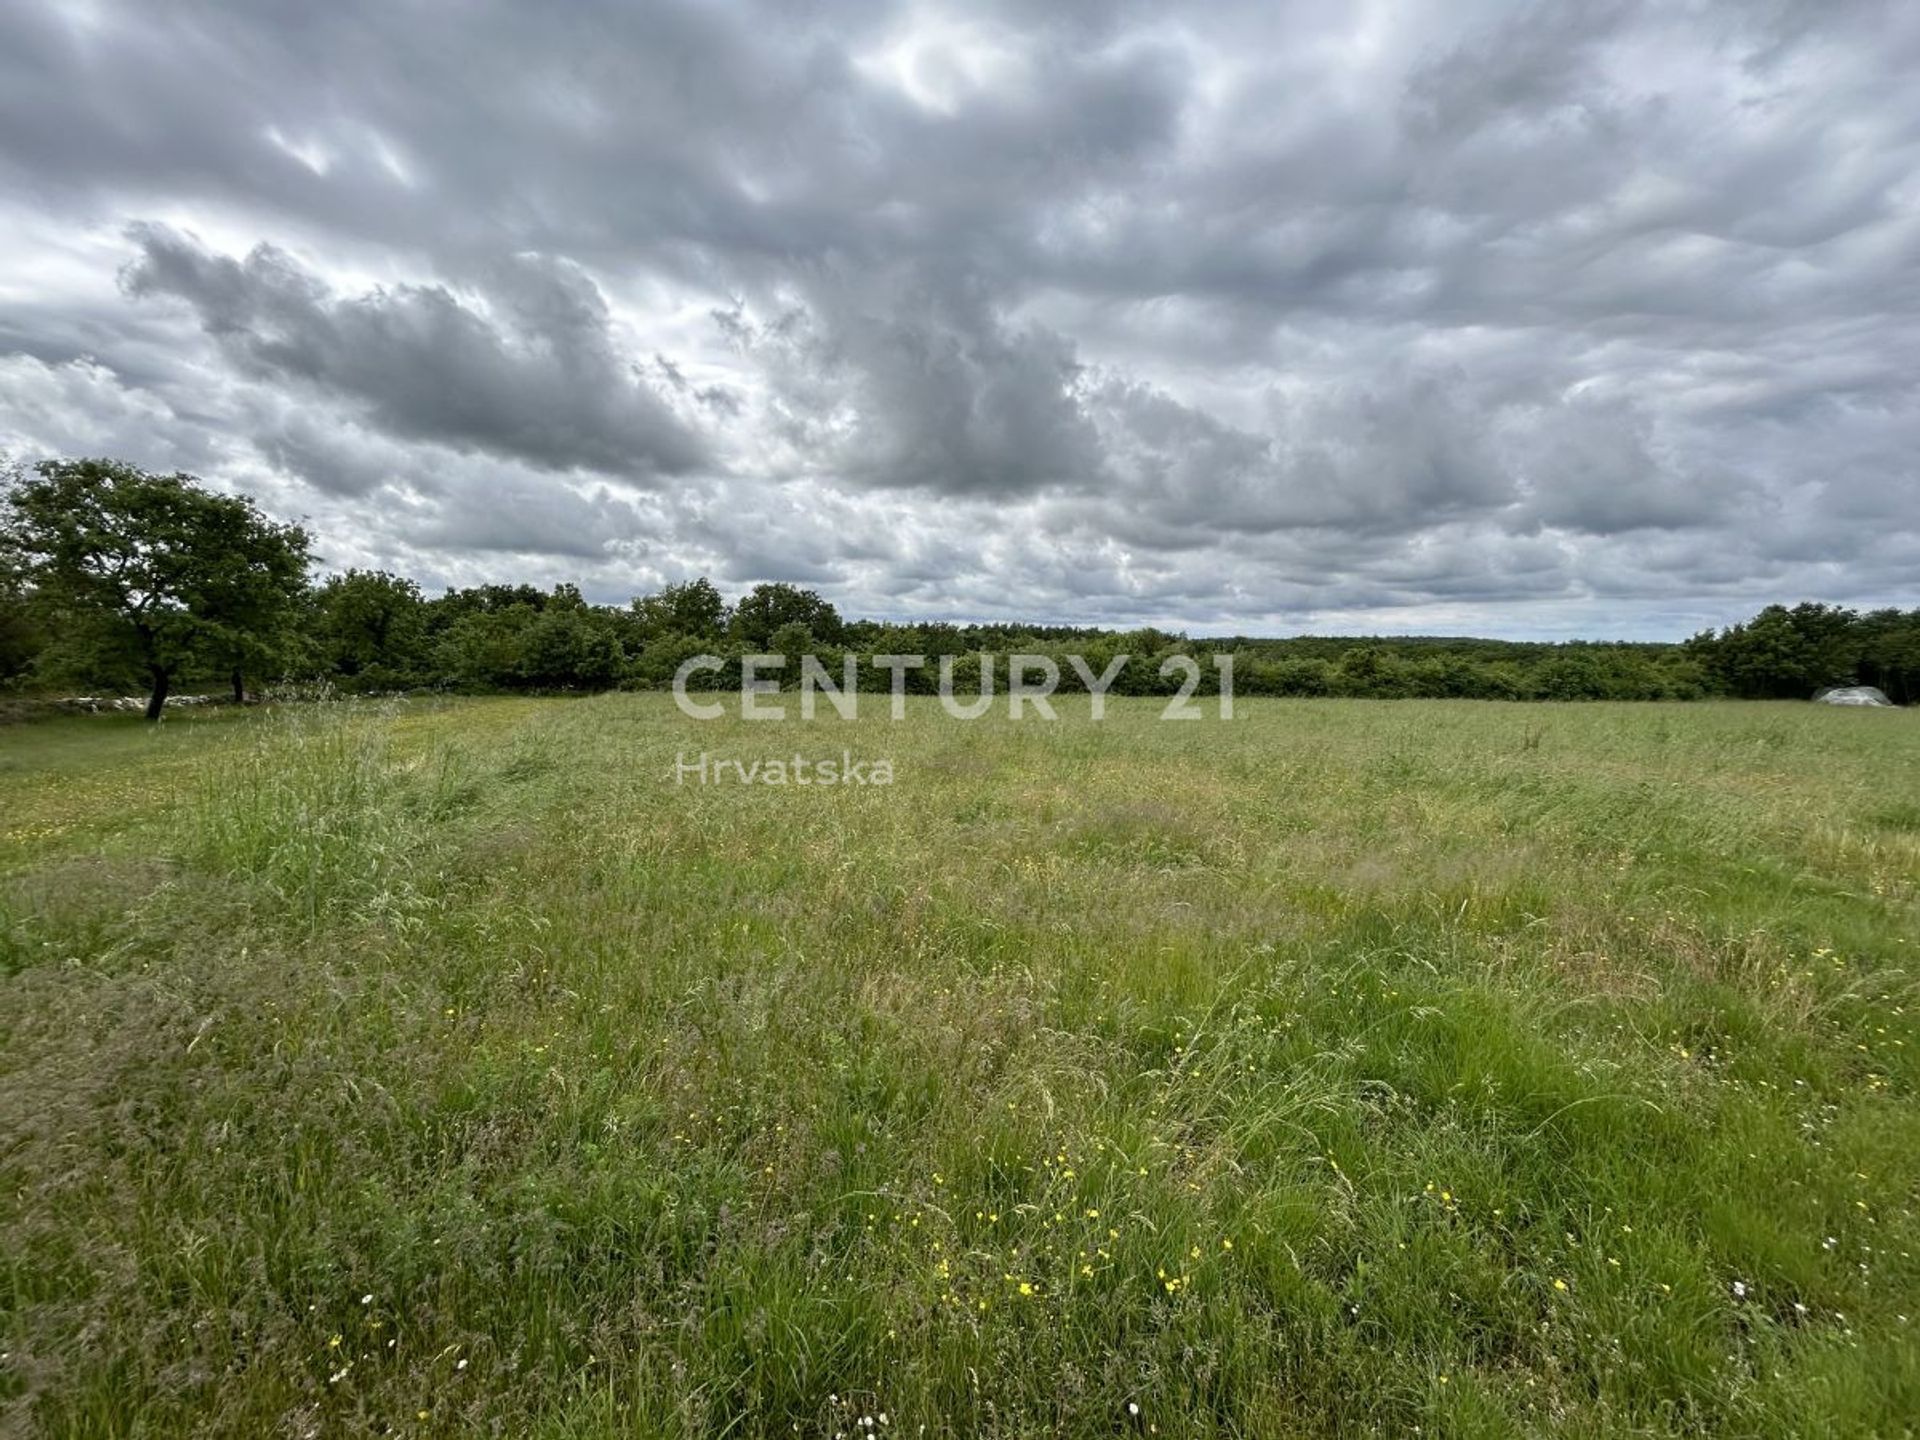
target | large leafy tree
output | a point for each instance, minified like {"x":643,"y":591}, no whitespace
{"x":22,"y":637}
{"x":1784,"y":654}
{"x":766,"y":608}
{"x":251,"y":591}
{"x":693,"y":607}
{"x":156,"y":570}
{"x":369,"y":629}
{"x":1890,"y":658}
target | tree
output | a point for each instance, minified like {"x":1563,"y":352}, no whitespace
{"x":791,"y":640}
{"x":1369,"y":670}
{"x":691,"y":608}
{"x":1784,"y":654}
{"x":570,"y":646}
{"x":155,"y":569}
{"x":485,"y":649}
{"x":1890,"y":655}
{"x":767,"y":607}
{"x":21,"y":635}
{"x":369,"y":628}
{"x":250,"y":590}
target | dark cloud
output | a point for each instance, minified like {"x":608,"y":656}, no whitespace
{"x":1483,"y":315}
{"x":901,"y":381}
{"x":543,"y":382}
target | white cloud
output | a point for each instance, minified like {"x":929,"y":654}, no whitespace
{"x":1489,"y":316}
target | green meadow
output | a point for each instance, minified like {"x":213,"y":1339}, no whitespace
{"x":1351,"y":1067}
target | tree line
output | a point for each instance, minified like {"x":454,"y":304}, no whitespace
{"x":111,"y":577}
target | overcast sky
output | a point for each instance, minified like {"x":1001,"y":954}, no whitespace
{"x":1572,"y":319}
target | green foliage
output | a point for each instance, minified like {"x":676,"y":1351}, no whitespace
{"x":506,"y":643}
{"x":570,"y":647}
{"x":23,"y":635}
{"x":250,"y":592}
{"x":766,"y":608}
{"x":153,"y":572}
{"x":369,"y":631}
{"x":791,"y":640}
{"x":1790,"y":653}
{"x":693,"y":607}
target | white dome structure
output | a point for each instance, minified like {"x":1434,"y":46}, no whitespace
{"x":1853,"y":695}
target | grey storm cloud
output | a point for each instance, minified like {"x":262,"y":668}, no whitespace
{"x":545,"y":383}
{"x":896,"y":382}
{"x":1495,"y":315}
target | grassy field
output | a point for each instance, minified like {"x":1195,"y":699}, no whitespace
{"x":1353,"y":1067}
